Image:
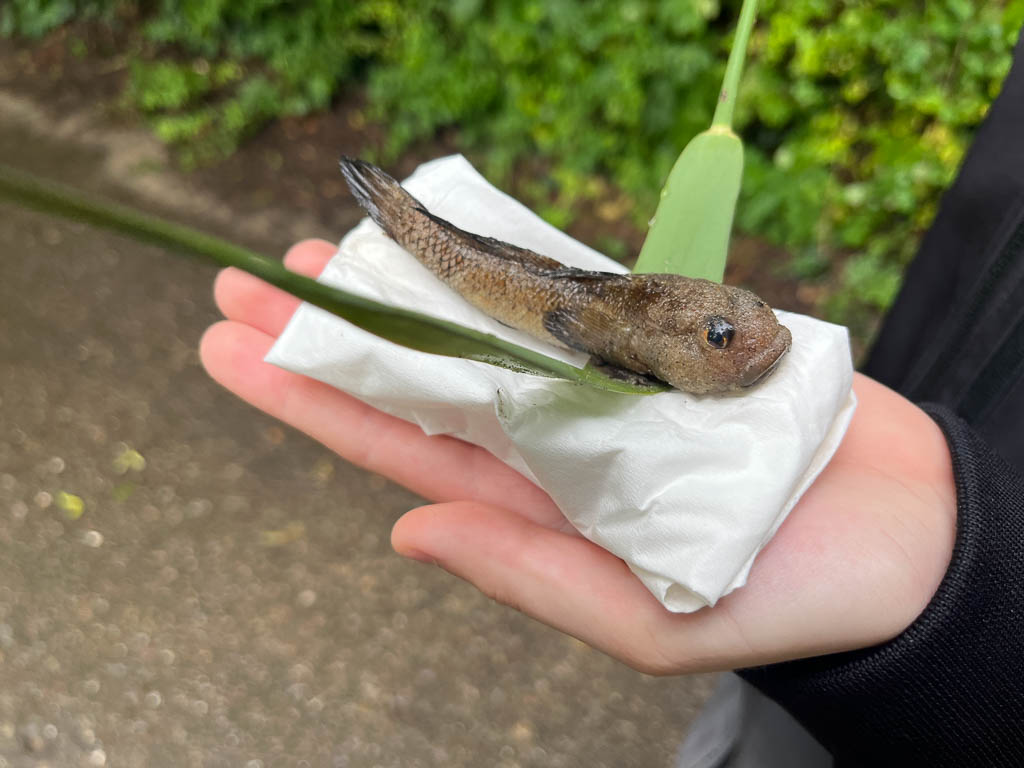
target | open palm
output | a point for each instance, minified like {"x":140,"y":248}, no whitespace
{"x":853,"y":565}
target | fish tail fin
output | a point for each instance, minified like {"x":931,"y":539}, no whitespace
{"x":380,"y":195}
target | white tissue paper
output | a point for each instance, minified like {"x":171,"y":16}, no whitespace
{"x":685,"y":489}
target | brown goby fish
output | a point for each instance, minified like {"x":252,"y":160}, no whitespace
{"x":697,"y":335}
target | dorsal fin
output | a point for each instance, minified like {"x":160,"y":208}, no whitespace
{"x":574,"y":273}
{"x":530,"y":260}
{"x":387,"y":203}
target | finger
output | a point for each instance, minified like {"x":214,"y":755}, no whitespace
{"x":309,"y":257}
{"x":436,"y":467}
{"x":566,"y":582}
{"x":247,"y":299}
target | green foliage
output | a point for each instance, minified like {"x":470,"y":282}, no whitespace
{"x":605,"y":86}
{"x":34,"y":18}
{"x":245,"y":63}
{"x":855,"y":115}
{"x":862,"y":113}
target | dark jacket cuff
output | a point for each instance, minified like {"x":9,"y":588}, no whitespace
{"x":949,"y":691}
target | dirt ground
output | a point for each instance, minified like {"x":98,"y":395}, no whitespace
{"x":223,"y":592}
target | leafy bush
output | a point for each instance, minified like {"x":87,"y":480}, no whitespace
{"x":861,"y":113}
{"x":34,"y":18}
{"x":855,"y":114}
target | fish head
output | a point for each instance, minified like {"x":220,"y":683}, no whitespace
{"x":711,"y":338}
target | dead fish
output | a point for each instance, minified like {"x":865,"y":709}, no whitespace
{"x":696,"y":335}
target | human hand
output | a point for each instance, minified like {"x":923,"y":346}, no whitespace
{"x":854,"y":564}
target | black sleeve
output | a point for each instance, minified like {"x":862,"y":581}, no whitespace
{"x":955,"y":334}
{"x":949,"y":691}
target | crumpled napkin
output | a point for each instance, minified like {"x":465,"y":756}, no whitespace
{"x":685,"y":489}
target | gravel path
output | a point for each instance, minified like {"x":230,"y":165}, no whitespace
{"x":185,"y":582}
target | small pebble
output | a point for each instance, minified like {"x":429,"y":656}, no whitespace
{"x":92,"y":539}
{"x":31,"y":739}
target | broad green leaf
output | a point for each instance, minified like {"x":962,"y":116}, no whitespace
{"x":689,"y":233}
{"x":410,"y":329}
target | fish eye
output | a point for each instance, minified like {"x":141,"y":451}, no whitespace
{"x":718,"y":332}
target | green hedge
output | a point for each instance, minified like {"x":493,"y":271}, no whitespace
{"x":855,"y":114}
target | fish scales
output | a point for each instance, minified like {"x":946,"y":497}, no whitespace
{"x":506,"y":288}
{"x":696,"y":335}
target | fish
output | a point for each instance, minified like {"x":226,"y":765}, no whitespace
{"x":696,"y":335}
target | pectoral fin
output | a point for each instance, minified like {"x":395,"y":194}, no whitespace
{"x":565,"y":326}
{"x":623,"y":374}
{"x":588,"y":328}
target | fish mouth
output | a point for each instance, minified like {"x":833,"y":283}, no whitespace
{"x":770,"y":358}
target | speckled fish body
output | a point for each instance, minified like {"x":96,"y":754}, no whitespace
{"x":698,"y":336}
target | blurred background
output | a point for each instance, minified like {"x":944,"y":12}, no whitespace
{"x":184,"y":581}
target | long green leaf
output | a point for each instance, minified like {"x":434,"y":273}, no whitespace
{"x":689,"y":234}
{"x":410,"y":329}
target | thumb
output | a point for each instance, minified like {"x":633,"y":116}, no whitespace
{"x":560,"y":579}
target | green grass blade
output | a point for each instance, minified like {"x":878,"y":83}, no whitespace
{"x":734,"y":67}
{"x":410,"y":329}
{"x":689,"y":234}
